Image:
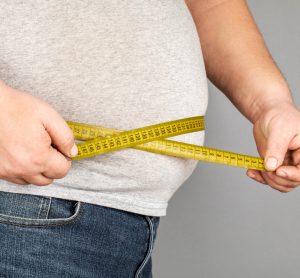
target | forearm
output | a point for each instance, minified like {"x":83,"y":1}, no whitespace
{"x":236,"y":58}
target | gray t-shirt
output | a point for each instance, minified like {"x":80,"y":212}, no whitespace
{"x":120,"y":64}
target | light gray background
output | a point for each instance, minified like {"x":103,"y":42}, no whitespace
{"x":221,"y":223}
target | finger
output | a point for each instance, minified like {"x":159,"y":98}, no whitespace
{"x":60,"y":133}
{"x":19,"y":181}
{"x":289,"y":172}
{"x":295,"y":143}
{"x":282,"y":181}
{"x":277,"y":146}
{"x":274,"y":185}
{"x":256,"y":175}
{"x":39,"y":180}
{"x":296,"y":157}
{"x":57,"y":165}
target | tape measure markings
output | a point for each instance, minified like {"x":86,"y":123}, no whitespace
{"x":133,"y":137}
{"x":99,"y":139}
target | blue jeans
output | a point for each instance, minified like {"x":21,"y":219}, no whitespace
{"x":44,"y":236}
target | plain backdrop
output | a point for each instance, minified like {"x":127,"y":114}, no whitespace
{"x":220,"y":223}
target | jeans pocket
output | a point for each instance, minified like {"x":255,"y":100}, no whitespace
{"x":37,"y":211}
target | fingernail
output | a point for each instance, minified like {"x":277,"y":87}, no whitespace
{"x":271,"y":163}
{"x":282,"y":174}
{"x":74,"y":150}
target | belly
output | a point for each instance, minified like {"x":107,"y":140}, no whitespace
{"x":120,"y":64}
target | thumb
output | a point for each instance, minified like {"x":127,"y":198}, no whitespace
{"x":277,"y":146}
{"x":60,"y":133}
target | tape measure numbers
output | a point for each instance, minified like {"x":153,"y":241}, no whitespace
{"x":99,"y":140}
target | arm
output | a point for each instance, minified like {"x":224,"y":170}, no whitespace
{"x":236,"y":58}
{"x":238,"y":63}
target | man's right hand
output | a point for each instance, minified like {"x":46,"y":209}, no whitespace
{"x":35,"y":141}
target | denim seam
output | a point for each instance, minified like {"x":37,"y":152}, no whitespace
{"x":46,"y":222}
{"x":49,"y":205}
{"x":44,"y":208}
{"x":150,"y":247}
{"x":41,"y":206}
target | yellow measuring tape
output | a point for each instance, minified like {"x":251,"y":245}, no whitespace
{"x":99,"y":140}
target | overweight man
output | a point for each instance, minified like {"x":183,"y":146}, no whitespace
{"x":120,"y":64}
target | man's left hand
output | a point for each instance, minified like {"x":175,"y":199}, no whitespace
{"x":277,"y":136}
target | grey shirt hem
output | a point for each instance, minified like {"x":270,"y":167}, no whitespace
{"x":96,"y":198}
